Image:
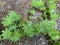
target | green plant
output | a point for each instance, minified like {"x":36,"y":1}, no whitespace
{"x":56,"y":43}
{"x":14,"y":36}
{"x":52,"y":5}
{"x":18,"y":29}
{"x":54,"y":16}
{"x":47,"y":27}
{"x":44,"y":27}
{"x":10,"y":18}
{"x":10,"y":22}
{"x":32,"y":29}
{"x":29,"y":30}
{"x":47,"y":6}
{"x":32,"y":11}
{"x":38,"y":3}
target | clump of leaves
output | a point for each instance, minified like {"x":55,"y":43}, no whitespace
{"x":54,"y":16}
{"x":56,"y":43}
{"x":10,"y":18}
{"x":17,"y":28}
{"x":47,"y":6}
{"x":47,"y":27}
{"x":52,"y":5}
{"x":10,"y":22}
{"x":38,"y":3}
{"x":44,"y":27}
{"x":31,"y":29}
{"x":32,"y":11}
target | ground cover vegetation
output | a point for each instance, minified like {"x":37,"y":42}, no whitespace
{"x":15,"y":28}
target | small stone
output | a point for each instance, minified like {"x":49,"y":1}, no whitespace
{"x":4,"y":2}
{"x":20,"y":43}
{"x":17,"y":2}
{"x":9,"y":6}
{"x":43,"y":43}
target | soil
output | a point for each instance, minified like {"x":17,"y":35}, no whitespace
{"x":36,"y":40}
{"x":22,"y":7}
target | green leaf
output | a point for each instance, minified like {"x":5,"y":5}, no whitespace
{"x":52,"y":7}
{"x":29,"y":30}
{"x":15,"y":36}
{"x":35,"y":3}
{"x":7,"y":21}
{"x":54,"y":35}
{"x":54,"y":16}
{"x":10,"y":18}
{"x":32,"y":11}
{"x":6,"y":34}
{"x":51,"y":1}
